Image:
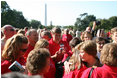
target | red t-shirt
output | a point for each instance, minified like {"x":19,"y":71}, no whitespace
{"x":54,"y":47}
{"x":76,"y":73}
{"x":28,"y":51}
{"x":108,"y":34}
{"x":40,"y":76}
{"x":21,"y":60}
{"x":5,"y":65}
{"x":66,"y":37}
{"x":52,"y":70}
{"x":101,"y":72}
{"x":66,"y":55}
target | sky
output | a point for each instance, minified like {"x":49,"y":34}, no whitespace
{"x":63,"y":12}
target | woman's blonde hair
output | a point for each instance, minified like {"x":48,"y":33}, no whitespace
{"x":109,"y":54}
{"x":88,"y":34}
{"x":42,"y":43}
{"x":12,"y":47}
{"x":75,"y":58}
{"x":88,"y":46}
{"x":21,"y":31}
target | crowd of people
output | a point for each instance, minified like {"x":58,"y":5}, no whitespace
{"x":59,"y":53}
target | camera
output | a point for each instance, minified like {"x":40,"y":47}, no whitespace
{"x":98,"y":23}
{"x":61,"y":47}
{"x":15,"y":66}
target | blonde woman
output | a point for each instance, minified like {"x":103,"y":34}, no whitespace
{"x":14,"y":50}
{"x":86,"y":36}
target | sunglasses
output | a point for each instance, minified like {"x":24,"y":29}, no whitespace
{"x":23,"y":50}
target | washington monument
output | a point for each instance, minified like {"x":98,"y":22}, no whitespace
{"x":45,"y":14}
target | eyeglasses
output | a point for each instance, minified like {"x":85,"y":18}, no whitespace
{"x":23,"y":50}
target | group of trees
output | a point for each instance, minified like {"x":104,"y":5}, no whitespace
{"x":86,"y":20}
{"x":17,"y":19}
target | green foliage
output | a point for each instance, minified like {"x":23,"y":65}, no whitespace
{"x":106,"y":24}
{"x":113,"y":21}
{"x":4,"y":7}
{"x":50,"y":27}
{"x":12,"y":17}
{"x":70,"y":27}
{"x":81,"y":24}
{"x":36,"y":24}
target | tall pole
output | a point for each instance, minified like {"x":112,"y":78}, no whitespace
{"x":45,"y":14}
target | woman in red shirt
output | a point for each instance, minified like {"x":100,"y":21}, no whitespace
{"x":84,"y":56}
{"x":109,"y":59}
{"x":13,"y":51}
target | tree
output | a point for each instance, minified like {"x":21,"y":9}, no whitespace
{"x":4,"y":7}
{"x":36,"y":24}
{"x":84,"y":14}
{"x":113,"y":21}
{"x":20,"y":21}
{"x":70,"y":27}
{"x":81,"y":24}
{"x":12,"y":17}
{"x":106,"y":24}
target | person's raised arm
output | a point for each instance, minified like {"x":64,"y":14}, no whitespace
{"x":94,"y":25}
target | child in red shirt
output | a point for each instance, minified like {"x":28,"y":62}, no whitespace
{"x":35,"y":65}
